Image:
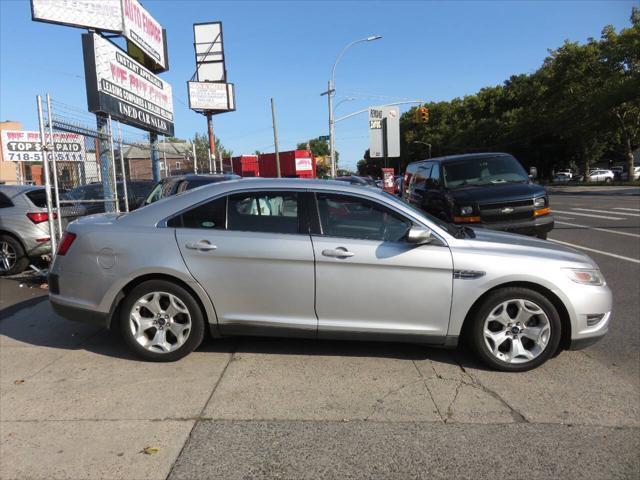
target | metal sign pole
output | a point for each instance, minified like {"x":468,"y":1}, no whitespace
{"x":124,"y":177}
{"x":195,"y":159}
{"x":113,"y":167}
{"x":54,"y":165}
{"x":47,"y":180}
{"x":212,"y":143}
{"x":209,"y":152}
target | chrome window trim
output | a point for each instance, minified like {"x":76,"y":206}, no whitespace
{"x":414,"y":219}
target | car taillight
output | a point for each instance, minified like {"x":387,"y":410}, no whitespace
{"x":39,"y":217}
{"x":65,"y":242}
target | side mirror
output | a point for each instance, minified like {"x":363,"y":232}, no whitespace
{"x":419,"y":236}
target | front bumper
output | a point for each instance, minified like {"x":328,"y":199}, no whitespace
{"x":535,"y":227}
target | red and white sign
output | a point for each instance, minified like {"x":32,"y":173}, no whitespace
{"x":142,"y":29}
{"x":304,"y":165}
{"x":23,"y":146}
{"x":388,"y":180}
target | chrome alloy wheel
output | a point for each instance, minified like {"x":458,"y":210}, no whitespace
{"x":517,"y":331}
{"x":7,"y":256}
{"x":160,"y":322}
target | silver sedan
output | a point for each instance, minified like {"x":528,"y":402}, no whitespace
{"x":321,"y":259}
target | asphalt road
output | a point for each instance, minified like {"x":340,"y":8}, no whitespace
{"x":75,"y":404}
{"x":609,"y":226}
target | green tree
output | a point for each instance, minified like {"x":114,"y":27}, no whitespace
{"x":201,"y":141}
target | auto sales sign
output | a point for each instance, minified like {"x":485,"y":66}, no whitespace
{"x":24,"y":146}
{"x":119,"y":86}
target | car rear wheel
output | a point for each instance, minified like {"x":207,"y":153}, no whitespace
{"x":515,"y":329}
{"x":161,"y":321}
{"x":13,"y":259}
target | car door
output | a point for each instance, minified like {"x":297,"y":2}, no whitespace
{"x":370,"y":282}
{"x":252,"y":253}
{"x":418,"y":188}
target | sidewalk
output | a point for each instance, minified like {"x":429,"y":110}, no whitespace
{"x":593,"y":190}
{"x":75,"y":404}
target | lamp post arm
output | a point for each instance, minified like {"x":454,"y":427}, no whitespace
{"x":385,"y":105}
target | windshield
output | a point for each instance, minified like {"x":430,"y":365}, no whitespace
{"x":451,"y":229}
{"x":483,"y":171}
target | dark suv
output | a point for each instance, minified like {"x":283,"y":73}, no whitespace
{"x":489,"y":190}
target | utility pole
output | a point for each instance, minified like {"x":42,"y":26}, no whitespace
{"x":275,"y":136}
{"x":195,"y":159}
{"x":212,"y":142}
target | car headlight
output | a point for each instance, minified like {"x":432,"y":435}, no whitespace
{"x":466,"y":210}
{"x":585,"y":276}
{"x":539,"y":202}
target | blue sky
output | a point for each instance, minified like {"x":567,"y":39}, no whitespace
{"x":429,"y":50}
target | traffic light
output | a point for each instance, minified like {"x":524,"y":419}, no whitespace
{"x":423,"y":114}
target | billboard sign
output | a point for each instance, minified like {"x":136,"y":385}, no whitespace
{"x":119,"y":86}
{"x":214,"y":97}
{"x":384,"y":120}
{"x":99,"y":14}
{"x":143,"y":30}
{"x":210,"y":64}
{"x":145,"y":35}
{"x":23,"y":146}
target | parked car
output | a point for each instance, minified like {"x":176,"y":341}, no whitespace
{"x":565,"y":172}
{"x":24,"y":227}
{"x":600,"y":175}
{"x":301,"y":258}
{"x":171,"y":185}
{"x":356,"y":180}
{"x":489,"y":190}
{"x":618,"y":172}
{"x":93,"y":193}
{"x":562,"y":177}
{"x":636,"y":174}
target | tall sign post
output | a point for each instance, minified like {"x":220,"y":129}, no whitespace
{"x":209,"y":92}
{"x":384,"y":133}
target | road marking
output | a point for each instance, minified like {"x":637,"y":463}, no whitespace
{"x":563,"y":218}
{"x":629,"y":234}
{"x":629,"y":209}
{"x":620,"y":257}
{"x":605,"y":211}
{"x":587,"y":215}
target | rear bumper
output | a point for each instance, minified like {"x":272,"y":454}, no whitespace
{"x":81,"y":315}
{"x":537,"y":226}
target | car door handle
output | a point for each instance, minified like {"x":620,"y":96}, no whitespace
{"x":339,"y":252}
{"x":203,"y":245}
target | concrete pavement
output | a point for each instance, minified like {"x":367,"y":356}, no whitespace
{"x":74,"y":404}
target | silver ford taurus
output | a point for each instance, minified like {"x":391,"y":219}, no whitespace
{"x":322,"y":259}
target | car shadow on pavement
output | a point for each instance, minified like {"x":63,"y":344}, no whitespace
{"x":33,"y":323}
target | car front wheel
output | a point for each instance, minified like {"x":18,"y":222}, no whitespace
{"x":161,"y":321}
{"x":515,"y":329}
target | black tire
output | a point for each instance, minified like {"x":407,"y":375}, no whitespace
{"x":19,"y":260}
{"x":476,"y":336}
{"x":608,"y":180}
{"x":542,"y":236}
{"x":195,"y":336}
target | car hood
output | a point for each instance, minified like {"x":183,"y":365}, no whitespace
{"x":496,"y":242}
{"x":497,"y":192}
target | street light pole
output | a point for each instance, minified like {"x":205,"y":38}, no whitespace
{"x":428,"y":145}
{"x":331,"y":92}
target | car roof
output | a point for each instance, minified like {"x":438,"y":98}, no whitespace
{"x":197,"y":176}
{"x":17,"y":189}
{"x":465,"y":156}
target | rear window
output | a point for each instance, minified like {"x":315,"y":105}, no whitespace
{"x":5,"y":201}
{"x":38,"y":198}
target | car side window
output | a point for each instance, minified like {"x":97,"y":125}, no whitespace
{"x":5,"y":201}
{"x":211,"y":216}
{"x":434,"y":178}
{"x":270,"y":212}
{"x":353,"y":217}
